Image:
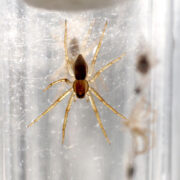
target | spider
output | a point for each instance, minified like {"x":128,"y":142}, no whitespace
{"x":81,"y":86}
{"x":140,"y":133}
{"x":138,"y":129}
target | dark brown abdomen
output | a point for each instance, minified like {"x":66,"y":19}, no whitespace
{"x":80,"y":68}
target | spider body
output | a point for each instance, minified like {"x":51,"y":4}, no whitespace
{"x":81,"y":85}
{"x":80,"y":68}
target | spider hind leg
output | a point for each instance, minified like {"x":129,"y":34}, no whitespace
{"x":106,"y":104}
{"x":98,"y":117}
{"x":66,"y":116}
{"x":98,"y":49}
{"x":68,"y":62}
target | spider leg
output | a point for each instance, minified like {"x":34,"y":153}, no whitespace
{"x":51,"y":107}
{"x":140,"y":133}
{"x":66,"y":116}
{"x":150,"y":112}
{"x":106,"y":104}
{"x":65,"y":43}
{"x":98,"y":48}
{"x":97,"y":116}
{"x":86,"y":51}
{"x":136,"y":111}
{"x":58,"y":81}
{"x":106,"y":67}
{"x":68,"y":63}
{"x":84,"y":43}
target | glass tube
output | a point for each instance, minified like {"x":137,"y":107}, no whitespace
{"x":32,"y":56}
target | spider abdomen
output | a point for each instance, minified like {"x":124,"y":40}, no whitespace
{"x":80,"y":88}
{"x":80,"y":68}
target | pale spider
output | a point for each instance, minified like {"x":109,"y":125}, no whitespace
{"x":141,"y":116}
{"x":80,"y":87}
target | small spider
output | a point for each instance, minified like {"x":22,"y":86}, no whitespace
{"x":81,"y":87}
{"x":141,"y":115}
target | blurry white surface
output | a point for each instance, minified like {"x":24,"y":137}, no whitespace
{"x":162,"y":41}
{"x":176,"y":95}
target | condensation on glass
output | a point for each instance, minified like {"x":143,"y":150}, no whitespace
{"x":32,"y":56}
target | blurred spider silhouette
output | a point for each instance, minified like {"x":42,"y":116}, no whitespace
{"x":81,"y":86}
{"x":141,"y":116}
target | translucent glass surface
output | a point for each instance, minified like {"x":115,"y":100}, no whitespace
{"x":32,"y":56}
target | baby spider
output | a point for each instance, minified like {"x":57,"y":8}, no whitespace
{"x":80,"y":87}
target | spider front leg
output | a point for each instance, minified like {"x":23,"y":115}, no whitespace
{"x":97,"y":50}
{"x":138,"y":133}
{"x":66,"y":116}
{"x":68,"y":63}
{"x":51,"y":107}
{"x":86,"y":50}
{"x":84,"y":42}
{"x":58,"y":81}
{"x":97,"y":116}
